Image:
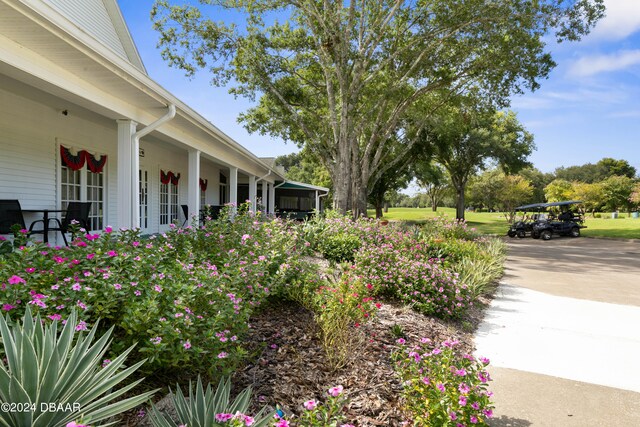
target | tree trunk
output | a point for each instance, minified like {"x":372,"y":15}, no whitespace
{"x":386,"y":207}
{"x":341,"y":177}
{"x":460,"y":203}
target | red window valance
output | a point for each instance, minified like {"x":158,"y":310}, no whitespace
{"x":165,"y":178}
{"x":203,"y":184}
{"x":77,"y":161}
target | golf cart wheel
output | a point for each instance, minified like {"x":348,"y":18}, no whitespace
{"x":575,"y":232}
{"x":521,"y":234}
{"x":545,"y":234}
{"x":535,"y":234}
{"x":511,"y":233}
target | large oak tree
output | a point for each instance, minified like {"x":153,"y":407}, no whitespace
{"x":341,"y":76}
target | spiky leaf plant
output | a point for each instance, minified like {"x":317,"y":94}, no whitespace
{"x":45,"y":367}
{"x":203,"y":408}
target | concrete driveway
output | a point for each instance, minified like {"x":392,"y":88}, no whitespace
{"x":563,"y":334}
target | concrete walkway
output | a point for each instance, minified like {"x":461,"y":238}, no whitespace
{"x":563,"y":334}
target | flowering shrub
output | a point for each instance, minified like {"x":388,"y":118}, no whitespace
{"x":446,"y":228}
{"x":338,"y":307}
{"x":441,"y":387}
{"x":402,"y":268}
{"x":317,"y":414}
{"x":184,"y":296}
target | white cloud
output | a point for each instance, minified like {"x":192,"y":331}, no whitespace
{"x":596,"y":64}
{"x":622,"y":19}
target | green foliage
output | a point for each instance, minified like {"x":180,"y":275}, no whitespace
{"x":338,"y":307}
{"x":345,"y":81}
{"x":466,"y":137}
{"x":558,"y":190}
{"x":481,"y":268}
{"x":42,"y":365}
{"x":184,"y":296}
{"x":339,"y":247}
{"x":203,"y":408}
{"x":442,"y":387}
{"x":617,"y":191}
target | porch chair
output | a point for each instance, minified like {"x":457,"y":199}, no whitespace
{"x":11,"y":214}
{"x":185,"y":211}
{"x":78,"y":211}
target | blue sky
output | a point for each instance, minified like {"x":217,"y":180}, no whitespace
{"x":588,"y":108}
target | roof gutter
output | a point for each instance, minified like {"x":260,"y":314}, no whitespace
{"x":171,"y":113}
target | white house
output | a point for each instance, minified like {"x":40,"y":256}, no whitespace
{"x":81,"y":120}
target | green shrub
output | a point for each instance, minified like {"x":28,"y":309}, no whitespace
{"x":339,"y":247}
{"x":204,"y":408}
{"x":442,"y":387}
{"x":45,"y":367}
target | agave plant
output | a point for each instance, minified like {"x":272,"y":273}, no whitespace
{"x":203,"y":408}
{"x":56,"y":378}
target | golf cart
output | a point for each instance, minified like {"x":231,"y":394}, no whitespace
{"x":524,"y":218}
{"x":560,"y":220}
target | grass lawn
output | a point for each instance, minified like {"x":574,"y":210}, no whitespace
{"x":495,"y":222}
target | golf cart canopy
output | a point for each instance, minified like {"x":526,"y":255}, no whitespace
{"x":533,"y":206}
{"x":565,"y":203}
{"x":547,"y":205}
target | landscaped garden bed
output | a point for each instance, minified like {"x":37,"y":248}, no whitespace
{"x":292,"y":310}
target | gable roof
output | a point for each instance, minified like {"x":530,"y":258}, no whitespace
{"x":107,"y":25}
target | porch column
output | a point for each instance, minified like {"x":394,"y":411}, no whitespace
{"x":233,"y":188}
{"x":253,"y":191}
{"x":127,"y":152}
{"x":193,"y":192}
{"x":264,"y":196}
{"x":272,"y":199}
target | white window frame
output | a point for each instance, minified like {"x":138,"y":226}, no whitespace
{"x":84,"y":181}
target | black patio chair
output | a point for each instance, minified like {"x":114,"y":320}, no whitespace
{"x":185,"y":211}
{"x":11,"y":214}
{"x":76,"y":211}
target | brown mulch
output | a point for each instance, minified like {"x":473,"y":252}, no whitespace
{"x":290,"y":364}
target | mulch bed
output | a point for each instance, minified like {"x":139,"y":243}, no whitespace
{"x":291,"y":367}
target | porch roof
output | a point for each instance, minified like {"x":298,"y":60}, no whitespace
{"x":294,"y":185}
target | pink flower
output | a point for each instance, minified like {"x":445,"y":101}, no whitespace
{"x":55,"y":316}
{"x":310,"y":404}
{"x":473,"y":419}
{"x":335,"y":391}
{"x":82,"y":326}
{"x":222,"y":355}
{"x":74,"y":424}
{"x":462,"y":401}
{"x":108,"y":229}
{"x":187,"y":345}
{"x":282,"y":423}
{"x":440,"y":387}
{"x":112,"y":253}
{"x":14,"y":280}
{"x":157,"y":288}
{"x":90,"y":256}
{"x":30,"y":270}
{"x":221,"y":418}
{"x":8,"y":307}
{"x":453,"y":416}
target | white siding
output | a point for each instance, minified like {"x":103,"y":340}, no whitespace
{"x":29,"y":159}
{"x":92,"y":17}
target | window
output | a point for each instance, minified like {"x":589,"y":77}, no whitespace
{"x":203,"y":198}
{"x":288,"y":203}
{"x":82,"y":179}
{"x":168,"y":203}
{"x":224,"y":190}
